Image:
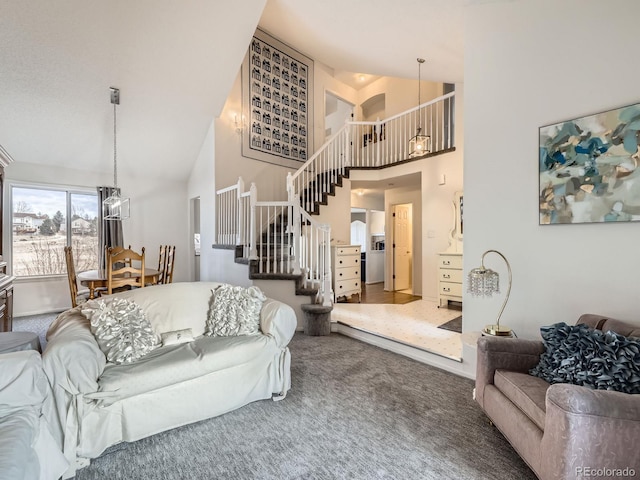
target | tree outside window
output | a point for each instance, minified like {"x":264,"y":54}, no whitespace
{"x":44,"y":221}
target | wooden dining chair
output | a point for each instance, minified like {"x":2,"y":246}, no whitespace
{"x":165,"y":263}
{"x":122,"y":268}
{"x":77,"y":296}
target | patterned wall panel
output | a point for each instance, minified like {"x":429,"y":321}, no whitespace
{"x":277,"y":99}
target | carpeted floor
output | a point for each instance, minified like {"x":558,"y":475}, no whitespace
{"x":454,"y":325}
{"x":355,"y":412}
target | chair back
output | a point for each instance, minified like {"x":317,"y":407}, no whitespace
{"x":165,"y":263}
{"x":71,"y":275}
{"x":129,"y":274}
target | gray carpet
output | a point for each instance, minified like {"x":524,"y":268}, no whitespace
{"x":355,"y":412}
{"x":454,"y":325}
{"x":35,"y":323}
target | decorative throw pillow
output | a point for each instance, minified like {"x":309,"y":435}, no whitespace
{"x":583,"y":356}
{"x":234,"y":311}
{"x":176,"y":337}
{"x":121,"y":329}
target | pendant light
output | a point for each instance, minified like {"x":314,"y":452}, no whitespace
{"x":419,"y":144}
{"x":115,"y":207}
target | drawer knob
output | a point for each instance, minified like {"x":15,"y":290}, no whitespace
{"x":446,"y":262}
{"x":446,"y":289}
{"x":446,"y":275}
{"x":341,"y":274}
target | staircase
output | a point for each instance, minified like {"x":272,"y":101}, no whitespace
{"x":281,"y":240}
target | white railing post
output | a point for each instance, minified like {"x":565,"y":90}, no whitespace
{"x":253,"y":198}
{"x":297,"y":236}
{"x":348,"y":147}
{"x":240,"y":229}
{"x":290,"y":188}
{"x":378,"y":134}
{"x":327,"y":292}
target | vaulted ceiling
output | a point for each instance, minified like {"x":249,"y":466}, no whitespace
{"x":175,"y":63}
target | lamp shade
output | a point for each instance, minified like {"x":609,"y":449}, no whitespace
{"x":115,"y":207}
{"x":484,"y":282}
{"x":419,"y":144}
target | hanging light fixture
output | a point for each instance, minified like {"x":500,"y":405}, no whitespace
{"x":115,"y":207}
{"x":419,"y":144}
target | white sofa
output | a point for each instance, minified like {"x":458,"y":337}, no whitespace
{"x":98,"y":404}
{"x":27,"y":449}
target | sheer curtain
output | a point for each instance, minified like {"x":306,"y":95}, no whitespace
{"x":109,"y":231}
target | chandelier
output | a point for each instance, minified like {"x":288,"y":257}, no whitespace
{"x":419,"y":144}
{"x":115,"y":207}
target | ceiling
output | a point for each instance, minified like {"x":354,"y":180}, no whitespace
{"x":175,"y":63}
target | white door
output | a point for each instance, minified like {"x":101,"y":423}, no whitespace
{"x":402,"y":246}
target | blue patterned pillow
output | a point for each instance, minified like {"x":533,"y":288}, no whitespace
{"x":583,"y":356}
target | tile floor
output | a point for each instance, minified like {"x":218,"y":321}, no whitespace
{"x":414,"y":323}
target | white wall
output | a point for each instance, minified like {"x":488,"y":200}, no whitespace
{"x":400,"y":94}
{"x":202,"y":184}
{"x":157,"y":217}
{"x":527,"y":64}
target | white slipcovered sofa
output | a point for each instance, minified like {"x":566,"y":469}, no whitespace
{"x":27,"y":449}
{"x":99,"y":404}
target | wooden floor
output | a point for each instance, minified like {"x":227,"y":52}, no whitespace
{"x":375,"y":293}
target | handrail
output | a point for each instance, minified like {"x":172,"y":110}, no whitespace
{"x":327,"y":142}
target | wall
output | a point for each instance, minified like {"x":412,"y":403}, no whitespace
{"x":338,"y":214}
{"x":400,"y":94}
{"x":201,"y":184}
{"x":158,"y":216}
{"x":548,"y":62}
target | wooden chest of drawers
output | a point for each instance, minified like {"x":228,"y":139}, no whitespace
{"x":346,"y":271}
{"x":6,"y":303}
{"x":449,"y":278}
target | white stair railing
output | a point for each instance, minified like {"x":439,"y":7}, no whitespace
{"x":282,"y":237}
{"x":372,"y":145}
{"x":279,"y":236}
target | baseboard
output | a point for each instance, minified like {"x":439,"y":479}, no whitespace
{"x":38,"y":312}
{"x":420,"y":355}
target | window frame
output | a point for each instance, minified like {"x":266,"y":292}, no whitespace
{"x":8,"y":226}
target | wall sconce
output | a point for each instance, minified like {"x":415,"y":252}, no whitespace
{"x":237,"y":124}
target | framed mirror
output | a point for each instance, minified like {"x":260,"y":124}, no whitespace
{"x":458,"y":201}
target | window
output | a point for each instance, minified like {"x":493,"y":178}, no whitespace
{"x":44,"y":221}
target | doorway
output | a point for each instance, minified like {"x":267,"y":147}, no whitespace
{"x":403,"y":248}
{"x":336,"y":112}
{"x":195,"y":239}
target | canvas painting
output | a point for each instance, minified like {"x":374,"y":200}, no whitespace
{"x":589,"y":168}
{"x":277,"y":97}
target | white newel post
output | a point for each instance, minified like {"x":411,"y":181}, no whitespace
{"x":239,"y":191}
{"x":348,"y":146}
{"x":327,"y":292}
{"x":253,"y":198}
{"x":297,"y":236}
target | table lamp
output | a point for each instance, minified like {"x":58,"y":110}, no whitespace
{"x":485,"y":282}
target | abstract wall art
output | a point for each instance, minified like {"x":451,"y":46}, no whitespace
{"x":277,"y":102}
{"x":589,"y":168}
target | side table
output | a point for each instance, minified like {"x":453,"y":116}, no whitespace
{"x":17,"y":341}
